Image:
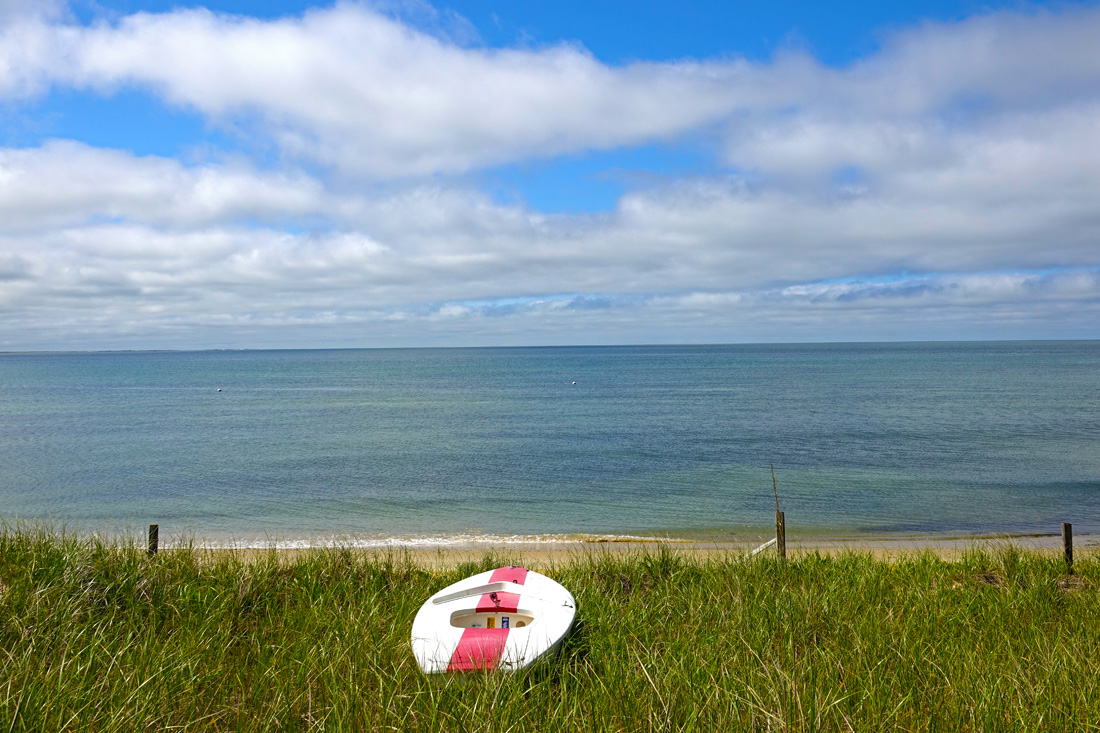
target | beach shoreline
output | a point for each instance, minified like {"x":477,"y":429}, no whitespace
{"x":549,"y":554}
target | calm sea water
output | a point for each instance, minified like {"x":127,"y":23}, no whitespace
{"x":452,"y":444}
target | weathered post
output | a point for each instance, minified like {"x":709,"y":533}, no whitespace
{"x":154,"y":538}
{"x":780,"y":528}
{"x":780,"y":536}
{"x":1067,"y":546}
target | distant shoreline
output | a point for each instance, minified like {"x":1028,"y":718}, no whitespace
{"x":487,"y":347}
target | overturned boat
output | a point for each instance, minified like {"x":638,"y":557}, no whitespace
{"x":507,"y":618}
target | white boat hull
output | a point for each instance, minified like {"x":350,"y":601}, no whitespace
{"x":506,"y":618}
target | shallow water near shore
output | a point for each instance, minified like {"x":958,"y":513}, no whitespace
{"x":451,"y":446}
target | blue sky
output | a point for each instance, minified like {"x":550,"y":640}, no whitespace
{"x":293,"y":174}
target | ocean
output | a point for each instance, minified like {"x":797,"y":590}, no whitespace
{"x":450,"y":446}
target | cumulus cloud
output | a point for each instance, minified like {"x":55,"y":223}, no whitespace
{"x":369,"y":94}
{"x":65,"y":182}
{"x":939,"y":179}
{"x":352,"y":88}
{"x":155,"y":238}
{"x":1026,"y":59}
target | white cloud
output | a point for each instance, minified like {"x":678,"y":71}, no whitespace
{"x":941,"y":158}
{"x":1031,"y":58}
{"x":357,"y":90}
{"x":65,"y":182}
{"x":365,"y":93}
{"x":183,"y":241}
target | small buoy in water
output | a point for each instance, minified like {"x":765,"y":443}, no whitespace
{"x":220,"y":389}
{"x":574,"y":382}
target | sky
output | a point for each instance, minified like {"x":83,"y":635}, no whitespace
{"x":290,"y":174}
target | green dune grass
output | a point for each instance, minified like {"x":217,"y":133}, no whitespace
{"x":102,"y":637}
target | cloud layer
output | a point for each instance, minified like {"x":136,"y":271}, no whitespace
{"x":945,"y":186}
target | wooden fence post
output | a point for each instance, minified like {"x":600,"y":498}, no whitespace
{"x":780,"y":536}
{"x":154,"y":538}
{"x":1067,"y":546}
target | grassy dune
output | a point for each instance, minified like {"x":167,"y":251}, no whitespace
{"x":98,"y":637}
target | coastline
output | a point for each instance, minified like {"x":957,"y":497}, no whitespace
{"x":544,"y":554}
{"x":363,"y":446}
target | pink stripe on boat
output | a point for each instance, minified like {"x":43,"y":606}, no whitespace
{"x":478,"y":649}
{"x":502,"y":603}
{"x":511,"y":574}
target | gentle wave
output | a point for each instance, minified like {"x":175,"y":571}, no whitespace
{"x":443,"y":542}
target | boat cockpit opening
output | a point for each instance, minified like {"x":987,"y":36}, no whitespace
{"x":471,"y":619}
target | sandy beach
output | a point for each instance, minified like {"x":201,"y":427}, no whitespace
{"x":543,"y":554}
